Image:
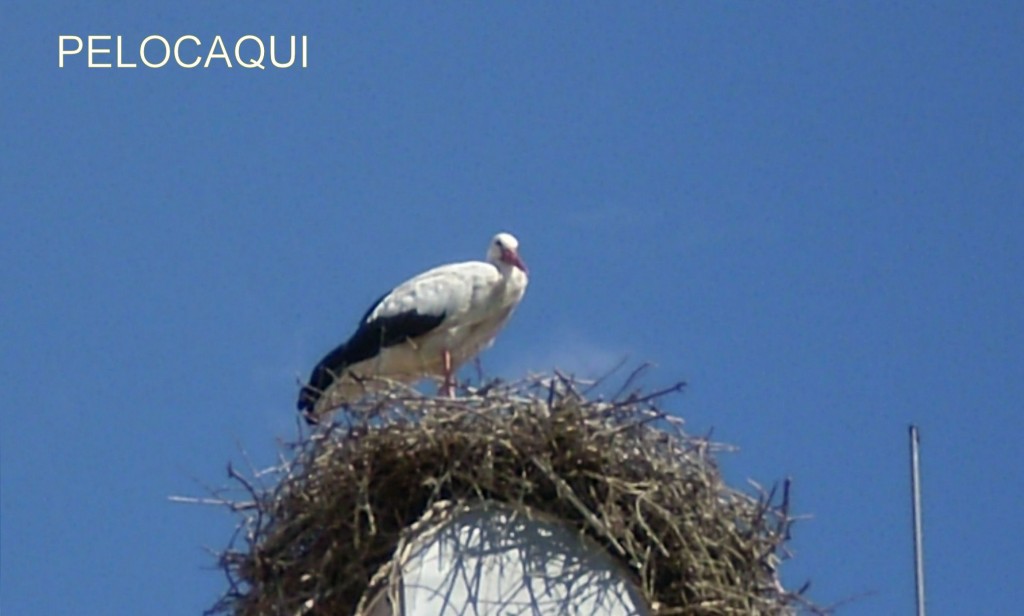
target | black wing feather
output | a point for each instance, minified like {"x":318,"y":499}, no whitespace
{"x":364,"y":344}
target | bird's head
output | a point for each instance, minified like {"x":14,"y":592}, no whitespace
{"x":504,"y":249}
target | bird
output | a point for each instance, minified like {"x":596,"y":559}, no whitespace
{"x":425,"y":327}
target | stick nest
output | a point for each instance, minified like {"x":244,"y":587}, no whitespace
{"x":621,"y":471}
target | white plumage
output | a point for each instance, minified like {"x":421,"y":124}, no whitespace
{"x":427,"y":326}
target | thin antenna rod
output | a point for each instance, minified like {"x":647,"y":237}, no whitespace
{"x":915,"y":486}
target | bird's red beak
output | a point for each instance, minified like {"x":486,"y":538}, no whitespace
{"x":512,"y":258}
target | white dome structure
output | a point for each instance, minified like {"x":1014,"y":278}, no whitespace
{"x":493,"y":560}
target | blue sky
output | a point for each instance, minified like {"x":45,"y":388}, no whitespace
{"x":812,"y":212}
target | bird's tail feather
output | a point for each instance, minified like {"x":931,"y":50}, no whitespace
{"x":323,"y":376}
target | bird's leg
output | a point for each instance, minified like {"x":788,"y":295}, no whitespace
{"x":448,"y":386}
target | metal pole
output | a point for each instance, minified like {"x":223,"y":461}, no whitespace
{"x":915,"y":486}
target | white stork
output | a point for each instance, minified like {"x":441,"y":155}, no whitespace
{"x":427,"y":326}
